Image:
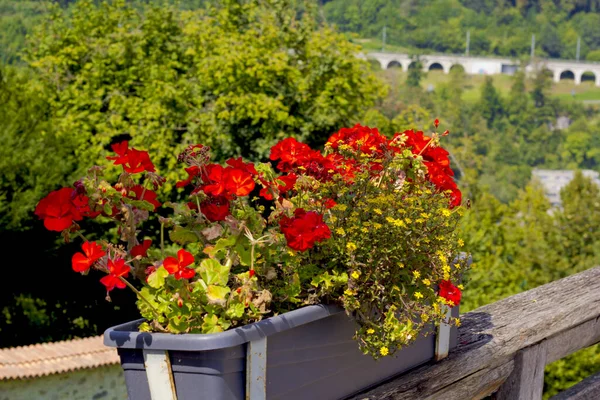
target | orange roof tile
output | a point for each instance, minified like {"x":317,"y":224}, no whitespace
{"x":54,"y":358}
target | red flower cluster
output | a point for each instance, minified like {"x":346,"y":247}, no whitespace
{"x":299,"y":158}
{"x":61,"y":207}
{"x":221,"y":184}
{"x":281,"y":185}
{"x":304,"y":229}
{"x":117,"y":269}
{"x":360,"y":138}
{"x":177,"y":266}
{"x":450,"y":292}
{"x":437,"y":162}
{"x":132,"y":160}
{"x":92,"y":252}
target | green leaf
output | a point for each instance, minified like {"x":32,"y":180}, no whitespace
{"x":216,"y":294}
{"x":213,"y":273}
{"x":141,"y":204}
{"x":244,"y":253}
{"x":107,"y":209}
{"x":178,"y":325}
{"x":157,"y":278}
{"x":182,"y":235}
{"x":211,"y":324}
{"x":235,"y":311}
{"x":222,"y":244}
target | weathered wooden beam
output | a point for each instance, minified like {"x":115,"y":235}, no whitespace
{"x":526,"y":382}
{"x":491,"y":336}
{"x":577,"y":338}
{"x":587,"y":389}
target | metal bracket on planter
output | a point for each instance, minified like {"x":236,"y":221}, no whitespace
{"x":256,"y":370}
{"x":442,"y":340}
{"x":160,"y":375}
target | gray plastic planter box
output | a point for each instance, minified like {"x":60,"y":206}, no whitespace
{"x":310,"y":355}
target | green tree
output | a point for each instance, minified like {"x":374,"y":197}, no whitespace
{"x":415,"y":73}
{"x":236,"y":77}
{"x":491,"y":104}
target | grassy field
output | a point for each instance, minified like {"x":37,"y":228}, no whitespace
{"x":566,"y":89}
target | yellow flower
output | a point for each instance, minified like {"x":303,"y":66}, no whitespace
{"x":445,"y":212}
{"x":461,"y":287}
{"x":370,"y":331}
{"x":351,"y":246}
{"x":377,"y":211}
{"x":384,"y":351}
{"x":457,"y":321}
{"x":418,"y":295}
{"x":416,"y":274}
{"x":461,"y":243}
{"x":400,"y":265}
{"x":408,"y":220}
{"x":425,"y":317}
{"x":356,"y":274}
{"x":340,"y":231}
{"x":377,"y":225}
{"x":426,"y":282}
{"x":424,"y":215}
{"x":348,"y":292}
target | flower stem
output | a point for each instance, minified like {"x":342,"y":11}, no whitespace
{"x":137,"y":292}
{"x":162,"y":239}
{"x":81,"y":236}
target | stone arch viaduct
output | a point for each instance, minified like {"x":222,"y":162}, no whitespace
{"x":560,"y":69}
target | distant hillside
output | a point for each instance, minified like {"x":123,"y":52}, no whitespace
{"x":497,"y":27}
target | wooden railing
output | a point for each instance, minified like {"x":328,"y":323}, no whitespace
{"x":504,"y":347}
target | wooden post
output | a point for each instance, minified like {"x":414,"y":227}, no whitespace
{"x":526,"y":382}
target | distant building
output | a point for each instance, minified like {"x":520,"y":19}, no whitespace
{"x":562,"y":122}
{"x":553,"y":180}
{"x":80,"y":369}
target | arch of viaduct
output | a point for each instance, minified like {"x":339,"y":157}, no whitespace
{"x":560,"y":69}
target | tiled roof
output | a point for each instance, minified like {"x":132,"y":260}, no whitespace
{"x":54,"y":358}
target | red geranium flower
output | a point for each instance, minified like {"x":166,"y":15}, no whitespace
{"x":214,"y":180}
{"x":367,"y":140}
{"x":117,"y":269}
{"x":132,"y":160}
{"x":177,"y":266}
{"x":329,"y":203}
{"x":304,"y":229}
{"x":92,"y":252}
{"x":416,"y":140}
{"x":146,"y":195}
{"x":450,"y":292}
{"x":290,"y":152}
{"x":238,"y":163}
{"x":238,"y":182}
{"x":215,"y":208}
{"x":283,"y":183}
{"x":57,"y":210}
{"x":192,"y":172}
{"x":141,"y":249}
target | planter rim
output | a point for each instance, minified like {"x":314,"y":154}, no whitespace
{"x":126,"y":336}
